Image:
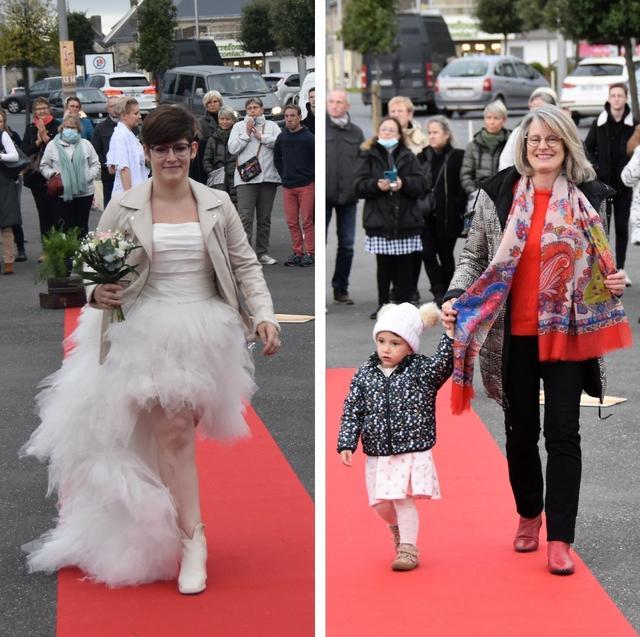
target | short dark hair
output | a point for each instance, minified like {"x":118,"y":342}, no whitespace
{"x":311,"y":90}
{"x":254,"y":100}
{"x":621,"y":85}
{"x":72,"y":98}
{"x":293,"y":107}
{"x":168,"y":123}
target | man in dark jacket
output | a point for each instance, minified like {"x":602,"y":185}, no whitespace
{"x":293,"y":155}
{"x":342,"y":150}
{"x":606,"y":146}
{"x":100,"y":140}
{"x":310,"y":120}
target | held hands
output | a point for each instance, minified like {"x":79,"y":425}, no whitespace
{"x":251,"y":127}
{"x":108,"y":296}
{"x":345,"y":456}
{"x":268,"y":334}
{"x":615,"y":283}
{"x":449,"y":317}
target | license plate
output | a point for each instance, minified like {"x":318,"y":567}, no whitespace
{"x":592,"y":87}
{"x":386,"y":82}
{"x":460,"y":91}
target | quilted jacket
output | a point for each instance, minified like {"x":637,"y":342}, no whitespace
{"x":491,"y":211}
{"x":395,"y":414}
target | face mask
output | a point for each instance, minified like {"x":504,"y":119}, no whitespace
{"x":388,"y":143}
{"x":70,"y":135}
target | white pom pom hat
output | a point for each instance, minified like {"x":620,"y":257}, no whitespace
{"x":407,"y":321}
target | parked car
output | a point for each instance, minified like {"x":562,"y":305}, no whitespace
{"x":423,"y":47}
{"x":127,"y":84}
{"x":15,"y":101}
{"x":43,"y":88}
{"x":586,"y":89}
{"x":285,"y":85}
{"x":471,"y":82}
{"x":94,"y":103}
{"x":186,"y":85}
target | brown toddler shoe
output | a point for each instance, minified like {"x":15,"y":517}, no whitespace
{"x":406,"y":558}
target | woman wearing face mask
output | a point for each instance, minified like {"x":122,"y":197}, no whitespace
{"x":389,"y":178}
{"x":73,"y":106}
{"x":76,"y":161}
{"x":217,"y":155}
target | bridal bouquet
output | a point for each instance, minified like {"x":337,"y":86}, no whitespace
{"x":102,"y":258}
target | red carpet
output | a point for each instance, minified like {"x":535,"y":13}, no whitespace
{"x":260,"y":569}
{"x":470,"y":582}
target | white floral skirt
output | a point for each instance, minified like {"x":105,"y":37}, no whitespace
{"x":396,"y":477}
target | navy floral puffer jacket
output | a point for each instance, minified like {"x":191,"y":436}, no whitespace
{"x":395,"y":414}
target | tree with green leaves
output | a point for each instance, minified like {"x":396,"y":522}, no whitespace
{"x":614,"y":22}
{"x":28,"y":37}
{"x":369,"y":27}
{"x":82,"y":34}
{"x":498,"y":16}
{"x":156,"y":26}
{"x":256,"y":29}
{"x":295,"y":31}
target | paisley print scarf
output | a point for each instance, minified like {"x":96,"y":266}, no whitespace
{"x":578,"y":318}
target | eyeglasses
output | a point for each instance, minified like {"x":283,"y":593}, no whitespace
{"x":551,"y":141}
{"x":179,"y":150}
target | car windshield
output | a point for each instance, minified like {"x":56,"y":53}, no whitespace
{"x":91,"y":96}
{"x":596,"y":70}
{"x":465,"y":68}
{"x":131,"y":80}
{"x":238,"y":83}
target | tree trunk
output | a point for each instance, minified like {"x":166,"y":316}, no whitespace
{"x":504,"y":52}
{"x":376,"y":103}
{"x":633,"y":85}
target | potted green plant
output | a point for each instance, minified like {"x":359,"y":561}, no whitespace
{"x":64,"y":289}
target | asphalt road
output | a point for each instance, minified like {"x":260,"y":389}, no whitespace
{"x":30,"y":340}
{"x":608,"y":526}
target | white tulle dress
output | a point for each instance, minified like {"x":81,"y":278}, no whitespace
{"x":180,"y":347}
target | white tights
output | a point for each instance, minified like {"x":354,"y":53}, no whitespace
{"x":402,"y":513}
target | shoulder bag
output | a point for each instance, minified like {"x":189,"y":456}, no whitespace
{"x":427,"y":203}
{"x":251,"y":168}
{"x":12,"y":169}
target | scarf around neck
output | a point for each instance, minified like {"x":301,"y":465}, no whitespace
{"x":72,"y":170}
{"x":578,"y":318}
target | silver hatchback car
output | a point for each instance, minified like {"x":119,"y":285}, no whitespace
{"x":471,"y":82}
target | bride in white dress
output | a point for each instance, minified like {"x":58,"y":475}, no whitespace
{"x":119,"y":417}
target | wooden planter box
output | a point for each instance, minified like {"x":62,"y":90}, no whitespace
{"x":63,"y":292}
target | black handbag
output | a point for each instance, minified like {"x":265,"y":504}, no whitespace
{"x":427,"y":203}
{"x":12,"y":169}
{"x":251,"y":168}
{"x":31,"y":174}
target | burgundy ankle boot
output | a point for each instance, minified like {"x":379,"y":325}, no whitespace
{"x":560,"y":562}
{"x":526,"y":539}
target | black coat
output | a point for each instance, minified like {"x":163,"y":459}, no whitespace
{"x":100,"y":139}
{"x":607,"y":161}
{"x":217,"y":155}
{"x":451,"y":197}
{"x":30,"y":148}
{"x":396,"y":413}
{"x":392,"y":215}
{"x":310,"y":120}
{"x":342,"y":150}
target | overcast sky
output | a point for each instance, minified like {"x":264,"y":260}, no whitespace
{"x":110,"y":10}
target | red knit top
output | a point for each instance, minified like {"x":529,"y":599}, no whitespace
{"x":526,"y":280}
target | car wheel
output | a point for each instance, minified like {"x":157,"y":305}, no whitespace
{"x":576,"y":118}
{"x":13,"y":106}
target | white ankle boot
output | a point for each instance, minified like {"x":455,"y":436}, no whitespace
{"x":193,"y":567}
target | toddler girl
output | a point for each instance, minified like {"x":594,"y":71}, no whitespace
{"x":392,"y":406}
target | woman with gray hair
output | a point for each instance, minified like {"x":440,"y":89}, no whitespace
{"x":212,"y":102}
{"x":540,"y":96}
{"x":536,"y":293}
{"x":443,"y":206}
{"x":219,"y":162}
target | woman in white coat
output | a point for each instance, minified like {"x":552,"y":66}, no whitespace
{"x":251,"y":137}
{"x":76,"y":161}
{"x":119,"y":418}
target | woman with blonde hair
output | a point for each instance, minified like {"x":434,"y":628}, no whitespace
{"x":536,"y":293}
{"x":402,"y":109}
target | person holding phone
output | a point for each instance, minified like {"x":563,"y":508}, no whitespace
{"x":390,"y":180}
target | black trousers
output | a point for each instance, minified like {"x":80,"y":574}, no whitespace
{"x":621,"y":212}
{"x":396,"y":269}
{"x":562,"y":382}
{"x":47,"y":209}
{"x":438,"y":259}
{"x":75,"y":213}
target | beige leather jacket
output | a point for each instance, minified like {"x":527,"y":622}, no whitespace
{"x":238,"y":275}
